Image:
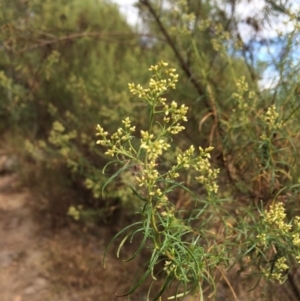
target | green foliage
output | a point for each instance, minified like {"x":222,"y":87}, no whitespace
{"x":63,"y":69}
{"x":65,"y":66}
{"x":171,"y":238}
{"x":227,"y":104}
{"x":182,"y":239}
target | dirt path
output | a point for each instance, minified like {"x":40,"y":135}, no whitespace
{"x":39,"y":264}
{"x":20,"y":249}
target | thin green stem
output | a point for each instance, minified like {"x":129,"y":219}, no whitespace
{"x":151,"y":117}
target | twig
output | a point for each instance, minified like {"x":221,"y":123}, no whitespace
{"x":228,"y":283}
{"x":178,"y":55}
{"x":72,"y":36}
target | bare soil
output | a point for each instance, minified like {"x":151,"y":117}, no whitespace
{"x":39,"y":262}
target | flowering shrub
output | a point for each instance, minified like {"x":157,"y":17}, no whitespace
{"x":278,"y":240}
{"x":186,"y":240}
{"x":170,"y":237}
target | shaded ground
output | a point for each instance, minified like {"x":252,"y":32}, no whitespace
{"x":38,"y":262}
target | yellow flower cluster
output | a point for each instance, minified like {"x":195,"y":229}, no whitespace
{"x":74,"y":212}
{"x":116,"y":143}
{"x":276,"y":216}
{"x":169,"y":266}
{"x":278,"y":271}
{"x":296,"y":222}
{"x":274,"y":220}
{"x":241,"y":84}
{"x":148,"y":178}
{"x":296,"y":239}
{"x":185,"y":19}
{"x":208,"y":174}
{"x":58,"y":127}
{"x":185,"y":158}
{"x":176,"y":115}
{"x":153,"y":148}
{"x":241,"y":97}
{"x":62,"y":139}
{"x":162,"y":79}
{"x":271,"y":118}
{"x":200,"y":163}
{"x":262,"y":238}
{"x":221,"y":36}
{"x":242,"y":87}
{"x":95,"y":186}
{"x":52,"y":59}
